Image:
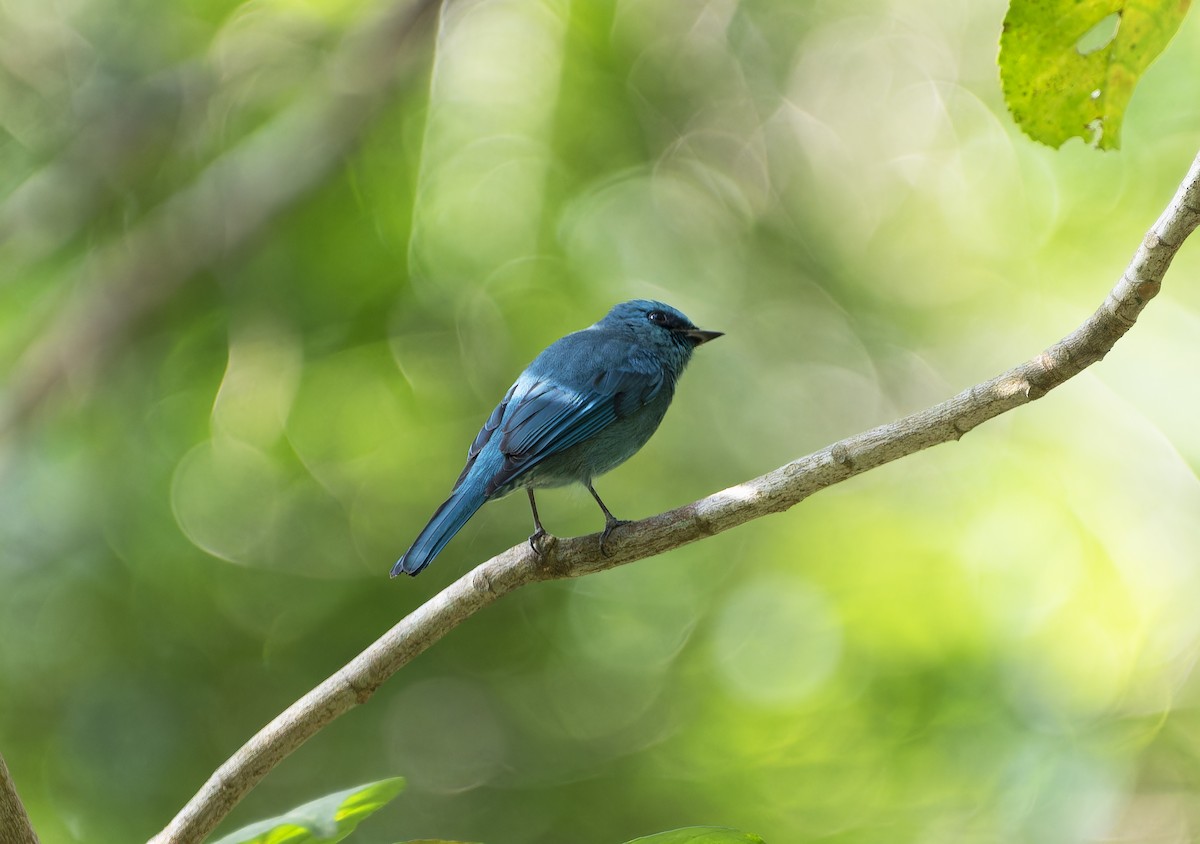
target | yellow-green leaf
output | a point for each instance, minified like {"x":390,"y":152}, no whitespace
{"x":323,"y":821}
{"x":1069,"y":67}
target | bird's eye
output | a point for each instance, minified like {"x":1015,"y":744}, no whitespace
{"x":657,"y":317}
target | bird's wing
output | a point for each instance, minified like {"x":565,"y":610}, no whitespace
{"x":485,"y":433}
{"x":540,"y":416}
{"x":549,"y":417}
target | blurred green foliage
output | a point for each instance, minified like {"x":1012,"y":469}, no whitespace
{"x":989,"y":641}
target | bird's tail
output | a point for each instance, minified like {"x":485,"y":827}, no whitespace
{"x":447,"y":521}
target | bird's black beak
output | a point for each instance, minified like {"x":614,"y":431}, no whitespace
{"x":698,"y":336}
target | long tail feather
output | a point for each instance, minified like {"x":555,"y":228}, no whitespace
{"x":447,"y":521}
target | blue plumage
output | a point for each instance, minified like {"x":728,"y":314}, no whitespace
{"x":584,"y":406}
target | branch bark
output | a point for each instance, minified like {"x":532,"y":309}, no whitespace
{"x":771,"y":493}
{"x":15,"y":827}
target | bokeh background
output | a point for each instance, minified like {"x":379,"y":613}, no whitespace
{"x":263,"y":273}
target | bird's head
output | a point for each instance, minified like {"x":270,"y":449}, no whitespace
{"x":657,"y":324}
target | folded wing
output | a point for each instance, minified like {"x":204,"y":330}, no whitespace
{"x":541,"y":416}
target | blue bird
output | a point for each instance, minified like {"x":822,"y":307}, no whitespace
{"x":583,"y":407}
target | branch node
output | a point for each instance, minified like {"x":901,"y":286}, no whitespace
{"x":958,"y":428}
{"x":840,"y":455}
{"x":1114,"y":306}
{"x":481,"y":580}
{"x":1147,"y":290}
{"x":703,"y":524}
{"x":1054,"y":365}
{"x":361,"y":693}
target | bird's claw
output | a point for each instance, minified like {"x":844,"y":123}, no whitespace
{"x":609,"y":526}
{"x":535,"y":539}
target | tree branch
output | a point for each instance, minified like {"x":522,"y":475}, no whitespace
{"x":771,"y":493}
{"x":14,"y":823}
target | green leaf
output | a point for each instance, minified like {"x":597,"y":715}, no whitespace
{"x":325,"y":820}
{"x":700,"y":835}
{"x":1067,"y":73}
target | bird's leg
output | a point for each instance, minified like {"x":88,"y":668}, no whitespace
{"x":540,"y":531}
{"x":610,"y":521}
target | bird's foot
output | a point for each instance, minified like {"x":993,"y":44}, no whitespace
{"x":609,"y":526}
{"x":535,"y":540}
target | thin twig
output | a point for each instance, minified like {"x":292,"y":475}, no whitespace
{"x":771,"y":493}
{"x":15,"y":827}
